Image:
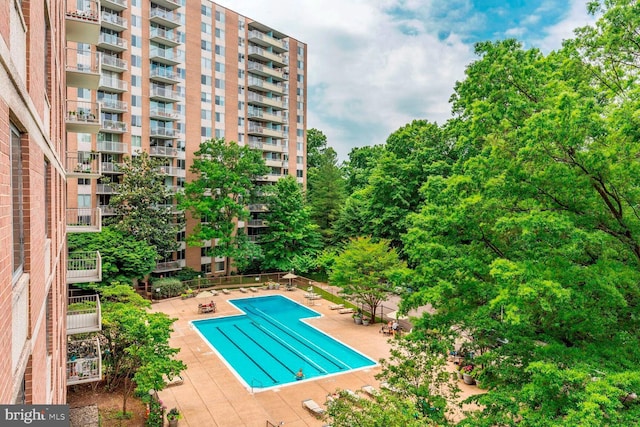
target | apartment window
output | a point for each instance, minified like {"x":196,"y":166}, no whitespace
{"x":84,"y":181}
{"x":136,"y":81}
{"x":205,"y":132}
{"x":240,"y":90}
{"x":219,"y":266}
{"x":299,"y":160}
{"x":136,"y":41}
{"x":219,"y":84}
{"x":299,"y":173}
{"x":205,"y":45}
{"x":241,"y":57}
{"x":205,"y":28}
{"x":219,"y":33}
{"x":205,"y":114}
{"x":136,"y":120}
{"x":206,"y":80}
{"x":299,"y":91}
{"x":300,"y":78}
{"x":135,"y":3}
{"x":241,"y":74}
{"x":241,"y":43}
{"x":136,"y":21}
{"x":17,"y":202}
{"x":240,"y":121}
{"x":240,"y":137}
{"x":136,"y":100}
{"x":219,"y":133}
{"x":136,"y":141}
{"x":219,"y":16}
{"x":205,"y":10}
{"x":299,"y":146}
{"x":219,"y":50}
{"x":220,"y":100}
{"x":180,"y":254}
{"x":240,"y":105}
{"x":300,"y":132}
{"x":182,"y":73}
{"x":205,"y":64}
{"x":300,"y":65}
{"x":219,"y":67}
{"x":300,"y":50}
{"x":219,"y":117}
{"x":205,"y":268}
{"x":204,"y":251}
{"x":205,"y":97}
{"x":84,"y":200}
{"x":299,"y":118}
{"x":136,"y":60}
{"x":84,"y":93}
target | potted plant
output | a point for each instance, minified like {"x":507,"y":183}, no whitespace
{"x":357,"y":317}
{"x":188,"y":294}
{"x":365,"y":321}
{"x":467,"y":374}
{"x":173,"y":416}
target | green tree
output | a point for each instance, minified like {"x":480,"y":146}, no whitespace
{"x":316,"y":146}
{"x":353,"y":220}
{"x":368,"y":272}
{"x":358,"y":168}
{"x":124,"y":257}
{"x":291,"y":232}
{"x":135,"y":343}
{"x":218,"y":195}
{"x":141,"y":203}
{"x":326,"y":192}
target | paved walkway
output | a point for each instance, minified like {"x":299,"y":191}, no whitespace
{"x":212,"y":396}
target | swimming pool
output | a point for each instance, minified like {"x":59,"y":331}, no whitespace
{"x":266,"y":346}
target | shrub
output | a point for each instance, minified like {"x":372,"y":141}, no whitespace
{"x":168,"y":287}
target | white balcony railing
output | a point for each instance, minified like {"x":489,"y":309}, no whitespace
{"x":84,"y":314}
{"x":82,"y":220}
{"x":84,"y":267}
{"x":84,"y":361}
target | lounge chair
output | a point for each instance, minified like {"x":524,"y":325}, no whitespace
{"x":207,"y":308}
{"x":226,"y":291}
{"x":213,"y":292}
{"x":345,"y":310}
{"x":336,"y":306}
{"x":352,"y":393}
{"x":313,"y":407}
{"x":370,"y":390}
{"x":177,"y":380}
{"x":253,"y":289}
{"x":243,"y":290}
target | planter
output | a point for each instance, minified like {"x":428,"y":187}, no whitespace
{"x":459,"y":375}
{"x":468,"y":379}
{"x":357,"y":320}
{"x":173,"y":423}
{"x":365,"y":322}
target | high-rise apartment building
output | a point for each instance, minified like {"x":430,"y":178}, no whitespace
{"x":84,"y":83}
{"x":171,"y":74}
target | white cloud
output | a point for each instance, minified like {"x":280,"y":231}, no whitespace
{"x":369,"y":74}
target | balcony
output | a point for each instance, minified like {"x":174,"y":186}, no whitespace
{"x":165,"y":94}
{"x":272,"y":177}
{"x":83,"y":23}
{"x":267,"y":41}
{"x":109,"y":105}
{"x":84,"y":220}
{"x":111,"y":168}
{"x":172,"y":171}
{"x":84,"y":267}
{"x":162,"y":36}
{"x":107,"y":210}
{"x":164,"y":75}
{"x":113,"y":43}
{"x":256,"y":129}
{"x":82,"y":68}
{"x":265,"y":86}
{"x":166,"y":56}
{"x":258,"y":223}
{"x":164,"y":18}
{"x":162,"y":132}
{"x":276,"y":163}
{"x":113,"y":63}
{"x":84,"y":361}
{"x":117,"y":5}
{"x":113,"y":126}
{"x":274,"y":147}
{"x":264,"y":116}
{"x":169,"y":266}
{"x":167,"y":4}
{"x":263,"y":55}
{"x":266,"y":71}
{"x":161,"y":151}
{"x":82,"y":117}
{"x":160,"y":113}
{"x":258,"y":207}
{"x":84,"y":314}
{"x":105,"y":189}
{"x":112,"y":147}
{"x":263,"y":101}
{"x":83,"y":165}
{"x":113,"y":22}
{"x":111,"y":84}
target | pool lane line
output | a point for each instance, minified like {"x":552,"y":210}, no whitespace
{"x":264,"y":349}
{"x":289,"y":347}
{"x":245,"y":353}
{"x":298,"y":337}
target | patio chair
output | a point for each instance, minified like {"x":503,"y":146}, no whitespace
{"x":226,"y":291}
{"x":336,"y":306}
{"x":243,"y":290}
{"x":253,"y":289}
{"x":313,"y":407}
{"x":345,"y":310}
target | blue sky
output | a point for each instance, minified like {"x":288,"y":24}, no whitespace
{"x":376,"y":65}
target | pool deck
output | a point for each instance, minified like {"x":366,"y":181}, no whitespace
{"x":212,"y":396}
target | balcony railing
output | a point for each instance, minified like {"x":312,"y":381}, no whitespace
{"x":113,"y":126}
{"x":165,"y":94}
{"x":262,"y":130}
{"x":113,"y":105}
{"x":113,"y":63}
{"x":172,"y":171}
{"x":84,"y":220}
{"x":113,"y":42}
{"x":113,"y":21}
{"x":163,"y":151}
{"x":265,"y":70}
{"x":164,"y":75}
{"x":83,"y":21}
{"x":168,"y":266}
{"x":84,"y":267}
{"x":105,"y":189}
{"x":255,"y":98}
{"x":162,"y":132}
{"x":112,"y":147}
{"x":84,"y":361}
{"x":82,"y":68}
{"x":117,"y":5}
{"x":166,"y":56}
{"x":266,"y":40}
{"x":83,"y":164}
{"x":82,"y":116}
{"x":166,"y":37}
{"x":165,"y":18}
{"x":84,"y":314}
{"x":265,"y":55}
{"x":110,"y":167}
{"x":113,"y":84}
{"x":164,"y":113}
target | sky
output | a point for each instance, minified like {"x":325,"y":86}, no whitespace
{"x":376,"y":65}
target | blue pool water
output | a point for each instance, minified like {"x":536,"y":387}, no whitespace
{"x":269,"y":343}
